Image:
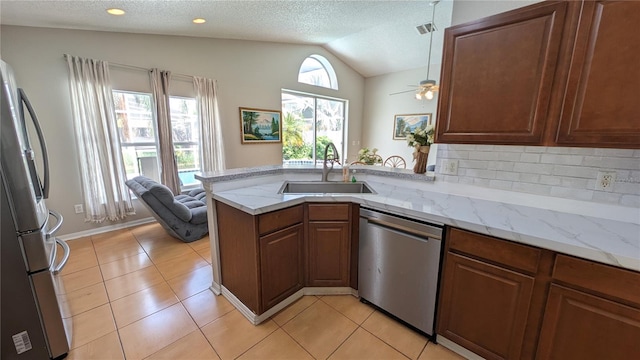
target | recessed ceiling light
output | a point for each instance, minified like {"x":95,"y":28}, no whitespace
{"x":115,"y":11}
{"x":199,"y":21}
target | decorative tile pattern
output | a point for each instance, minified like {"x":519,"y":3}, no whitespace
{"x":556,"y":171}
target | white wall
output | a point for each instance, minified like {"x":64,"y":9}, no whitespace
{"x":469,"y":10}
{"x":377,"y":127}
{"x":249,"y":74}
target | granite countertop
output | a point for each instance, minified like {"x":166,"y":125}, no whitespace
{"x":598,"y":232}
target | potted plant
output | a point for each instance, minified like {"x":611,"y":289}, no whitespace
{"x":369,"y":157}
{"x":420,"y":139}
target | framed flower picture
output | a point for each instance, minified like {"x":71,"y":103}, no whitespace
{"x":258,"y":126}
{"x":405,"y":124}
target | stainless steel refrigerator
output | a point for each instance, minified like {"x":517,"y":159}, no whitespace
{"x":31,"y":321}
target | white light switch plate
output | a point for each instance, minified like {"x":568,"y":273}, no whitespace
{"x":449,"y":167}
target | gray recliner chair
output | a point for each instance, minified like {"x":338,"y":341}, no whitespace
{"x":184,"y":216}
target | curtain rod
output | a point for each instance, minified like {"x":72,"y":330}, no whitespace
{"x":133,"y":67}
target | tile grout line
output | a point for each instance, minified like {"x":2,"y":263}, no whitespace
{"x":374,"y":335}
{"x":286,"y":322}
{"x":113,"y":316}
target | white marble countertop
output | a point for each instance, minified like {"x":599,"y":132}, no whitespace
{"x":599,"y":232}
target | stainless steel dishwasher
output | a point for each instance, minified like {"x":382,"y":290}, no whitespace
{"x":399,"y":260}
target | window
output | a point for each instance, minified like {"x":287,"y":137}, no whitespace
{"x":317,"y":70}
{"x":139,"y":140}
{"x":138,"y":134}
{"x":185,"y":129}
{"x":310,"y":122}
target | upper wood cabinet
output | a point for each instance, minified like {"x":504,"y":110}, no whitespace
{"x":601,"y":101}
{"x":497,"y":76}
{"x":553,"y":73}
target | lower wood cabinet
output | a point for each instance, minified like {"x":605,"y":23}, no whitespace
{"x":281,"y":264}
{"x":329,"y":244}
{"x":329,"y":254}
{"x":491,"y":297}
{"x":593,"y":312}
{"x":582,"y":326}
{"x":504,"y":300}
{"x":484,"y":307}
{"x":266,"y":258}
{"x":261,"y":257}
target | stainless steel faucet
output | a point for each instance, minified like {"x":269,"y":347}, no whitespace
{"x":325,"y":169}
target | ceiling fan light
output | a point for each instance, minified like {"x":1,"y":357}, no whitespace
{"x":418,"y":96}
{"x":429,"y":95}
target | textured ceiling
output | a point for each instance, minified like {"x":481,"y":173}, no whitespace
{"x":374,"y":37}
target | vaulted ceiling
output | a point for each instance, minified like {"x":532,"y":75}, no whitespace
{"x":374,"y":37}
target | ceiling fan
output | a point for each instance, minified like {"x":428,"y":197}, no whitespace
{"x":427,"y":88}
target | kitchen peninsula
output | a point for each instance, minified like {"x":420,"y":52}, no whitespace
{"x":603,"y":234}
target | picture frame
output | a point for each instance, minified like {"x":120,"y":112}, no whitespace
{"x":260,"y":126}
{"x":403,"y":124}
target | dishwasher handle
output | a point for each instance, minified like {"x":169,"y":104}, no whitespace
{"x":401,"y":230}
{"x":416,"y":228}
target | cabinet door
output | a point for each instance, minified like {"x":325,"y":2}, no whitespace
{"x":601,"y":100}
{"x":329,"y":253}
{"x":281,"y":265}
{"x":483,"y":307}
{"x":581,"y":326}
{"x":497,"y":76}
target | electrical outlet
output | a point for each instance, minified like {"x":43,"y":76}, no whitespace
{"x":78,"y":208}
{"x":605,"y":180}
{"x":450,"y":167}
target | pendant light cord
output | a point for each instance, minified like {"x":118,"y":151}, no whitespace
{"x":433,"y":26}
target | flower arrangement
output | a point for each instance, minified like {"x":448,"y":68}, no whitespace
{"x":369,"y":157}
{"x":421,"y":137}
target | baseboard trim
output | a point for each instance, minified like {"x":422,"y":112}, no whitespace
{"x":104,"y":229}
{"x":244,"y":310}
{"x":215,"y":288}
{"x":467,"y":354}
{"x":257,"y":319}
{"x":281,"y":305}
{"x":328,"y":291}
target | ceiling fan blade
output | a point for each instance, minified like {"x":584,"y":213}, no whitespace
{"x":402,"y":92}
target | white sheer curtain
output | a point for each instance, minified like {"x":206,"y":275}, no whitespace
{"x":160,"y":88}
{"x":102,"y":172}
{"x":211,"y":145}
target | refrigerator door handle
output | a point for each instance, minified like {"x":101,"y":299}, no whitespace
{"x":56,"y":269}
{"x":36,"y":125}
{"x":59,"y":221}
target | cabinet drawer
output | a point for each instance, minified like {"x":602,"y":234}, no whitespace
{"x":279,"y":219}
{"x":504,"y":252}
{"x":320,"y":212}
{"x":604,"y":279}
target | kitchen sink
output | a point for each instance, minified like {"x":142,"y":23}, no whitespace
{"x":319,"y":187}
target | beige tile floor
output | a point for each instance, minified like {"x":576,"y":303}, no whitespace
{"x":141,"y":294}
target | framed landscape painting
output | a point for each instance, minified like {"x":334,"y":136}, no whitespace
{"x":407,"y":123}
{"x":260,"y":126}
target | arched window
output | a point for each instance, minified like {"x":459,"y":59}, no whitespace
{"x":317,"y":70}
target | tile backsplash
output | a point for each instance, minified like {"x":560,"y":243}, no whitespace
{"x":554,"y":171}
